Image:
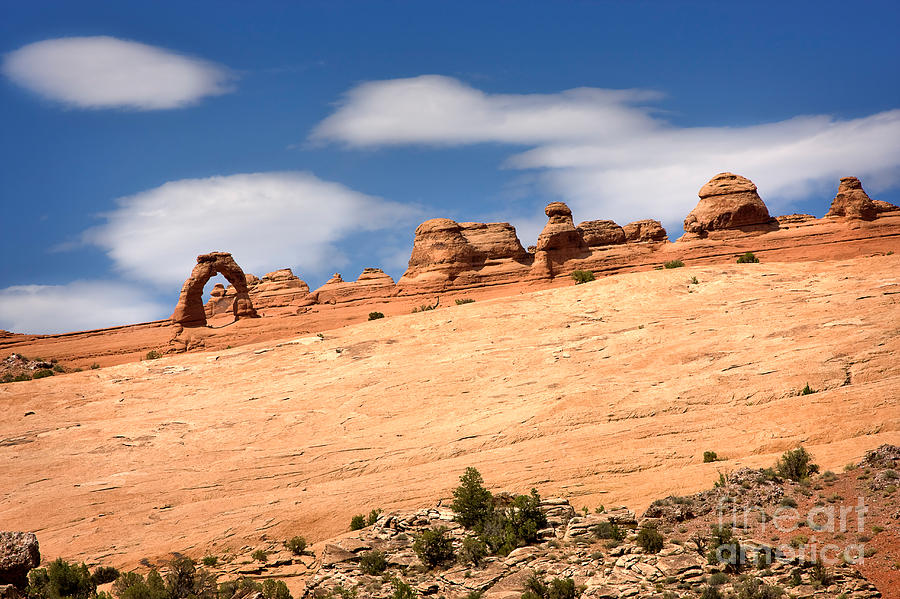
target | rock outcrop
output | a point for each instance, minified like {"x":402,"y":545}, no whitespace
{"x":597,"y":233}
{"x":19,"y":553}
{"x":371,"y":284}
{"x":559,"y":243}
{"x":447,"y":254}
{"x":645,"y":230}
{"x":277,"y":289}
{"x":852,"y":201}
{"x":190,"y":312}
{"x":727,"y":201}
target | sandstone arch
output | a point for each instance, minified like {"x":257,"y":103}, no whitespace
{"x":189,"y":311}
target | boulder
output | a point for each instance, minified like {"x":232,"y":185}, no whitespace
{"x":852,"y":201}
{"x":645,"y":230}
{"x":727,"y":201}
{"x":559,"y":233}
{"x":601,"y":232}
{"x":19,"y":553}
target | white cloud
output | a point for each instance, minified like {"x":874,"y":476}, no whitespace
{"x":266,"y":220}
{"x":610,"y":157}
{"x":77,"y":306}
{"x":106,"y":72}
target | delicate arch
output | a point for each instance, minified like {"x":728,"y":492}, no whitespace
{"x":190,"y":312}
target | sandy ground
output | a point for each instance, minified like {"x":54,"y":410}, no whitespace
{"x":605,"y":393}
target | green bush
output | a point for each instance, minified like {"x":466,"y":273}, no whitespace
{"x":583,"y":276}
{"x":296,"y":545}
{"x":357,"y":522}
{"x":806,"y":390}
{"x":754,"y":588}
{"x":260,"y":555}
{"x":717,"y":579}
{"x":694,"y":281}
{"x":210,"y":561}
{"x":434,"y":547}
{"x":796,"y":465}
{"x":42,"y":373}
{"x":472,"y":503}
{"x":95,"y":366}
{"x":131,"y":585}
{"x":650,"y":539}
{"x":464,"y":300}
{"x":558,"y":588}
{"x":373,"y":516}
{"x":104,"y":574}
{"x":673,"y":264}
{"x":424,"y":308}
{"x":709,"y":592}
{"x":709,"y":456}
{"x":185,"y":581}
{"x":241,"y":587}
{"x":275,"y":589}
{"x":472,"y":550}
{"x":153,"y":355}
{"x":609,"y":530}
{"x":373,"y":562}
{"x":61,"y":579}
{"x":375,"y":315}
{"x":508,"y":528}
{"x":725,"y":549}
{"x":747,"y":258}
{"x":58,"y":368}
{"x":402,"y":590}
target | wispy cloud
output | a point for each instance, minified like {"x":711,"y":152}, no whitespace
{"x":76,"y":306}
{"x":610,"y":155}
{"x":106,"y":72}
{"x":267,"y":220}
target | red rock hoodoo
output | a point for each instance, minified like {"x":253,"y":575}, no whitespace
{"x":727,"y":201}
{"x":190,"y":311}
{"x":645,"y":230}
{"x":852,"y":201}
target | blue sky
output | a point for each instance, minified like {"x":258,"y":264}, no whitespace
{"x":317,"y":136}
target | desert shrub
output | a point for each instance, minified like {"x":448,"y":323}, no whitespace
{"x":58,"y":368}
{"x":402,"y":590}
{"x":153,"y":355}
{"x":717,"y":579}
{"x":104,"y":574}
{"x":260,"y":555}
{"x":472,"y":550}
{"x":709,"y":456}
{"x":434,"y":547}
{"x":424,"y":308}
{"x":650,"y":539}
{"x":820,"y":574}
{"x":796,"y":465}
{"x":275,"y":589}
{"x":747,"y":258}
{"x":373,"y":516}
{"x":185,"y":581}
{"x":789,"y":502}
{"x":373,"y":562}
{"x":673,"y":264}
{"x":583,"y":276}
{"x":61,"y":579}
{"x":42,"y":373}
{"x":242,"y":587}
{"x":131,"y":585}
{"x":694,"y":281}
{"x":725,"y":549}
{"x":375,"y":315}
{"x":806,"y":390}
{"x":709,"y":592}
{"x":296,"y":545}
{"x":464,"y":300}
{"x":609,"y":530}
{"x":95,"y":366}
{"x":210,"y":561}
{"x":754,"y":588}
{"x":558,"y":588}
{"x":508,"y":528}
{"x":357,"y":522}
{"x":472,"y":503}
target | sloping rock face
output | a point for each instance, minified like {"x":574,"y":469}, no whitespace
{"x":645,"y":230}
{"x":597,"y":233}
{"x":727,"y":201}
{"x":852,"y":201}
{"x":190,"y":311}
{"x":447,"y":254}
{"x":373,"y":283}
{"x":19,"y":553}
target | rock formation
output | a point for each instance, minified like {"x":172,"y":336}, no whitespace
{"x":450,"y":254}
{"x":645,"y":230}
{"x":190,"y":312}
{"x":559,"y":243}
{"x":727,"y":201}
{"x":19,"y":553}
{"x":598,"y":233}
{"x":277,"y":289}
{"x":852,"y":201}
{"x":372,"y":283}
